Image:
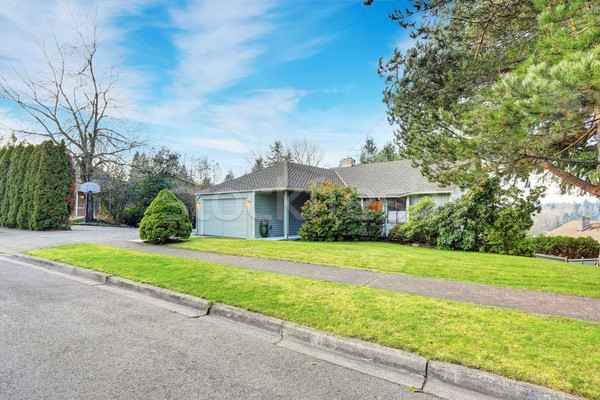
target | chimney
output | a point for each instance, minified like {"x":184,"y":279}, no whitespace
{"x":347,"y":162}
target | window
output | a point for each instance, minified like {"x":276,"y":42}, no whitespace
{"x":396,"y":210}
{"x":373,"y":204}
{"x":397,"y":204}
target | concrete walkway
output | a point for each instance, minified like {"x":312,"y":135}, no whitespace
{"x":584,"y":308}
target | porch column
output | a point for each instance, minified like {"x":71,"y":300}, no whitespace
{"x":407,"y":205}
{"x":286,"y":214}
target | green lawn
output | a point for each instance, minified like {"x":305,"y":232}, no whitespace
{"x":559,"y":353}
{"x":488,"y":269}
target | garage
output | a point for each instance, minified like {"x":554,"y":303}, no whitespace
{"x":224,"y":217}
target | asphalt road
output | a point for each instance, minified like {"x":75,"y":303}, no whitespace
{"x":63,"y":339}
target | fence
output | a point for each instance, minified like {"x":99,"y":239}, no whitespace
{"x":582,"y":261}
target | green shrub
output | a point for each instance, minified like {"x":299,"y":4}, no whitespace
{"x":565,"y":246}
{"x":333,"y":213}
{"x":396,"y":234}
{"x":131,"y":216}
{"x":488,"y":218}
{"x":374,"y":224}
{"x":418,"y":228}
{"x":165,"y":218}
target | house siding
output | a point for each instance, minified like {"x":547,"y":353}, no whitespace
{"x":269,"y":206}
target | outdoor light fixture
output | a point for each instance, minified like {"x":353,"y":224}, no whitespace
{"x":198,"y":204}
{"x":249,"y":203}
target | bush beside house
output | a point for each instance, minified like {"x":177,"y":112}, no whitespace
{"x":165,"y":218}
{"x":35,"y":190}
{"x":334,"y":213}
{"x":487,"y":218}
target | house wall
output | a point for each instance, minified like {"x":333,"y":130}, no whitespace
{"x":269,"y":206}
{"x":263,"y":205}
{"x":246,"y":213}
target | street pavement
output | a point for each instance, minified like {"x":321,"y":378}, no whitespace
{"x":64,"y":339}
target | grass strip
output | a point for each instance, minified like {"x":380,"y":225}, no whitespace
{"x":559,"y":353}
{"x":483,"y":268}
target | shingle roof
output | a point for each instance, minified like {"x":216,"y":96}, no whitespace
{"x":388,"y":179}
{"x":282,"y":175}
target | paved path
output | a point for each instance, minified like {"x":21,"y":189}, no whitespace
{"x":63,"y":339}
{"x":583,"y":308}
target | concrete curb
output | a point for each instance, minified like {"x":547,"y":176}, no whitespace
{"x":181,"y":299}
{"x":408,"y":369}
{"x":444,"y":380}
{"x":454,"y":382}
{"x":253,"y":319}
{"x":95,"y":276}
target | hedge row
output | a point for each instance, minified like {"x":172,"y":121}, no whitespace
{"x":565,"y":246}
{"x":36,"y":186}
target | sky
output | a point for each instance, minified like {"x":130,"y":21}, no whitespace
{"x":224,"y":79}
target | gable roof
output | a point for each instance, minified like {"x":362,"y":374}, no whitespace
{"x":282,"y":175}
{"x":387,"y":179}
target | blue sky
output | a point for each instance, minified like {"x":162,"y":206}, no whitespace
{"x":227,"y":78}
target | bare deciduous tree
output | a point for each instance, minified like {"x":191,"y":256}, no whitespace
{"x":305,"y":152}
{"x":73,"y":102}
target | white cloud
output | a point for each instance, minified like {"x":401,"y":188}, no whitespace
{"x":218,"y":42}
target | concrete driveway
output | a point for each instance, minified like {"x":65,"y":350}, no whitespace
{"x":15,"y":241}
{"x":64,"y":339}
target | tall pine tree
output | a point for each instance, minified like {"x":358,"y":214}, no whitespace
{"x":11,"y":183}
{"x":17,"y":189}
{"x":52,"y":186}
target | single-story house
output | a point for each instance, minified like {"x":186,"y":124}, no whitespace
{"x":273,"y":197}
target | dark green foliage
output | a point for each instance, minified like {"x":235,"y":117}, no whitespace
{"x":368,"y":151}
{"x":487,"y":218}
{"x":11,"y":183}
{"x":17,"y":189}
{"x":508,"y":88}
{"x":51,"y":188}
{"x":565,"y":246}
{"x":24,"y":213}
{"x":165,"y":218}
{"x":419,"y":227}
{"x":130,"y":216}
{"x":374,"y":224}
{"x":333,"y":213}
{"x":34,"y":186}
{"x":4,"y":167}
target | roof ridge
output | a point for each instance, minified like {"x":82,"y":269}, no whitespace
{"x":339,"y":176}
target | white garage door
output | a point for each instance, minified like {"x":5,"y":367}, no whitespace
{"x":224,"y":217}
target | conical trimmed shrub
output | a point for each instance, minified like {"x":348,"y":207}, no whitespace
{"x":165,"y":218}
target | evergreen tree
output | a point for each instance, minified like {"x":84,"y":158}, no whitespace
{"x":368,"y":151}
{"x":17,"y":190}
{"x":26,"y":207}
{"x":387,"y":153}
{"x":278,"y":152}
{"x":4,"y":167}
{"x":506,"y":88}
{"x":166,"y":217}
{"x":229,"y":176}
{"x":11,"y":186}
{"x":52,"y":186}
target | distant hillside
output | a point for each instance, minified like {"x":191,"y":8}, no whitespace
{"x":554,"y":215}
